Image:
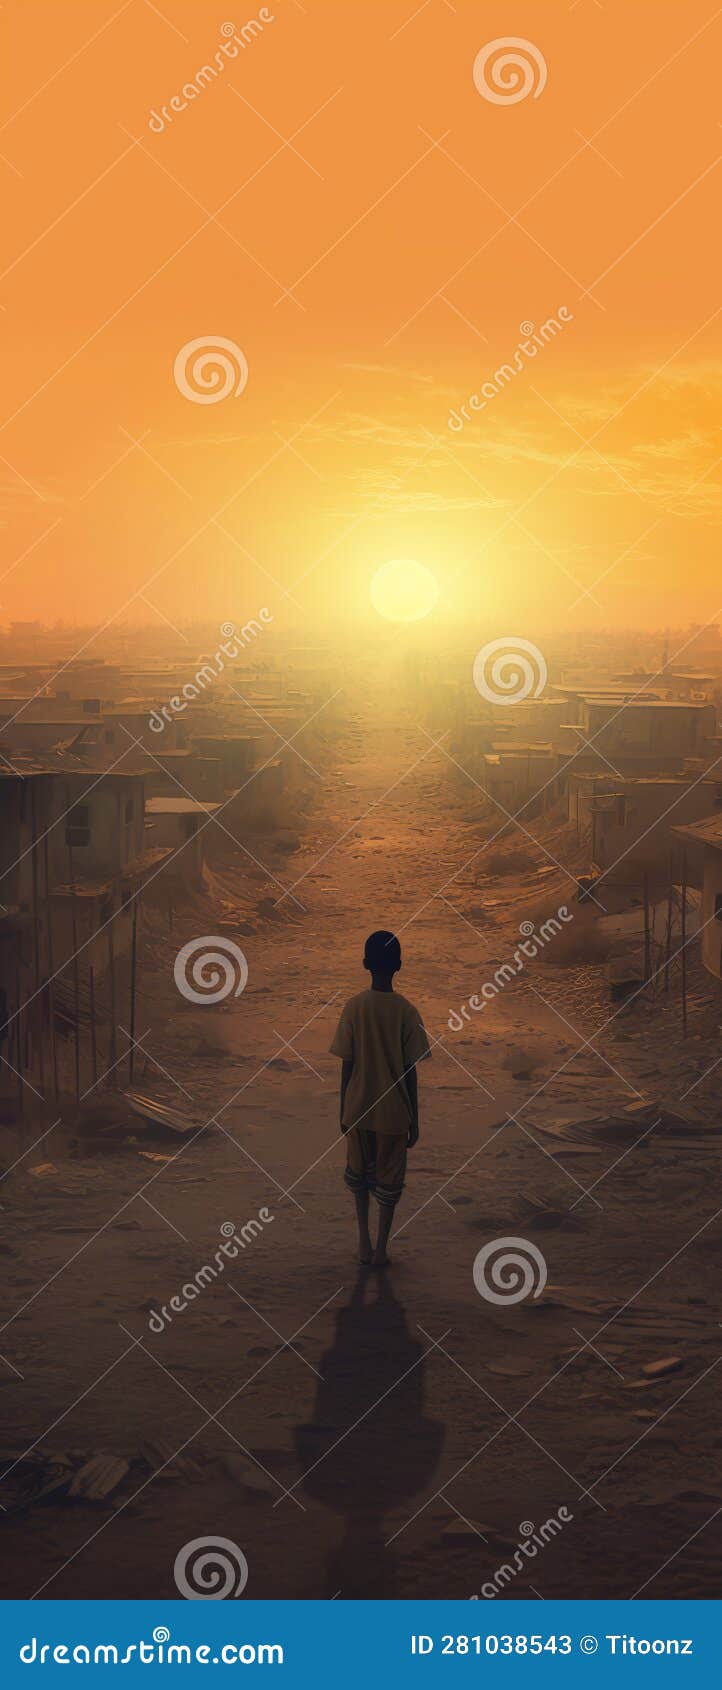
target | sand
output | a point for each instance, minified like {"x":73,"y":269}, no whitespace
{"x":369,"y":1434}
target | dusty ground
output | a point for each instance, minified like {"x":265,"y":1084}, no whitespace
{"x":412,"y":1428}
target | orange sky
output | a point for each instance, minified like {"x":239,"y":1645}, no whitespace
{"x":412,"y":265}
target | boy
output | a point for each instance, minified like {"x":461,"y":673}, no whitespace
{"x":380,"y":1038}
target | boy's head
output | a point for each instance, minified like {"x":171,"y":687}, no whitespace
{"x":382,"y":953}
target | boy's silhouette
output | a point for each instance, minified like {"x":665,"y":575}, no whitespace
{"x":370,"y":1445}
{"x":380,"y":1038}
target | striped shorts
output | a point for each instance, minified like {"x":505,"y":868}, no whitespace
{"x":376,"y":1162}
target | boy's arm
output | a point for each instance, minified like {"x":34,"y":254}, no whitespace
{"x":346,"y":1072}
{"x":413,"y":1090}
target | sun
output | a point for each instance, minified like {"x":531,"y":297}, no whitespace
{"x":404,"y":590}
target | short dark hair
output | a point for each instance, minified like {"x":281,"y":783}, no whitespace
{"x":382,"y":952}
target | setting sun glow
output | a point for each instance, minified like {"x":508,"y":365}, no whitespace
{"x":404,"y":590}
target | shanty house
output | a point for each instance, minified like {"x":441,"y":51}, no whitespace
{"x":706,"y":836}
{"x":631,"y":824}
{"x":655,"y":734}
{"x":180,"y":825}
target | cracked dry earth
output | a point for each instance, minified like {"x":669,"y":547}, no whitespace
{"x":354,"y":1432}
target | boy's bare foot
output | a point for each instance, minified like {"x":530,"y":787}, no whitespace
{"x":380,"y":1259}
{"x":365,"y":1252}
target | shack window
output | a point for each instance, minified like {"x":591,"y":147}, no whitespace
{"x":718,"y":907}
{"x":77,"y":825}
{"x":109,"y":736}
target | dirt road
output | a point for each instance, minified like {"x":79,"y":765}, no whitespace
{"x":354,"y":1432}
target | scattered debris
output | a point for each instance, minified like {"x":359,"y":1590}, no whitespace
{"x":160,"y":1455}
{"x":159,"y":1115}
{"x":99,"y":1477}
{"x":642,"y":1120}
{"x":511,"y":1368}
{"x":658,"y":1369}
{"x":105,"y":1118}
{"x":27,"y":1479}
{"x":69,"y":1477}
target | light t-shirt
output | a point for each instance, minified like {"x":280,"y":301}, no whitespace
{"x":383,"y":1035}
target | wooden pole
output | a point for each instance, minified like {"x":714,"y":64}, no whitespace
{"x":647,"y":950}
{"x":684,"y":941}
{"x":76,"y":979}
{"x":38,"y":1013}
{"x":668,"y":940}
{"x":113,"y":1040}
{"x":19,"y":1047}
{"x":133,"y":960}
{"x":51,"y":983}
{"x":93,"y":1045}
